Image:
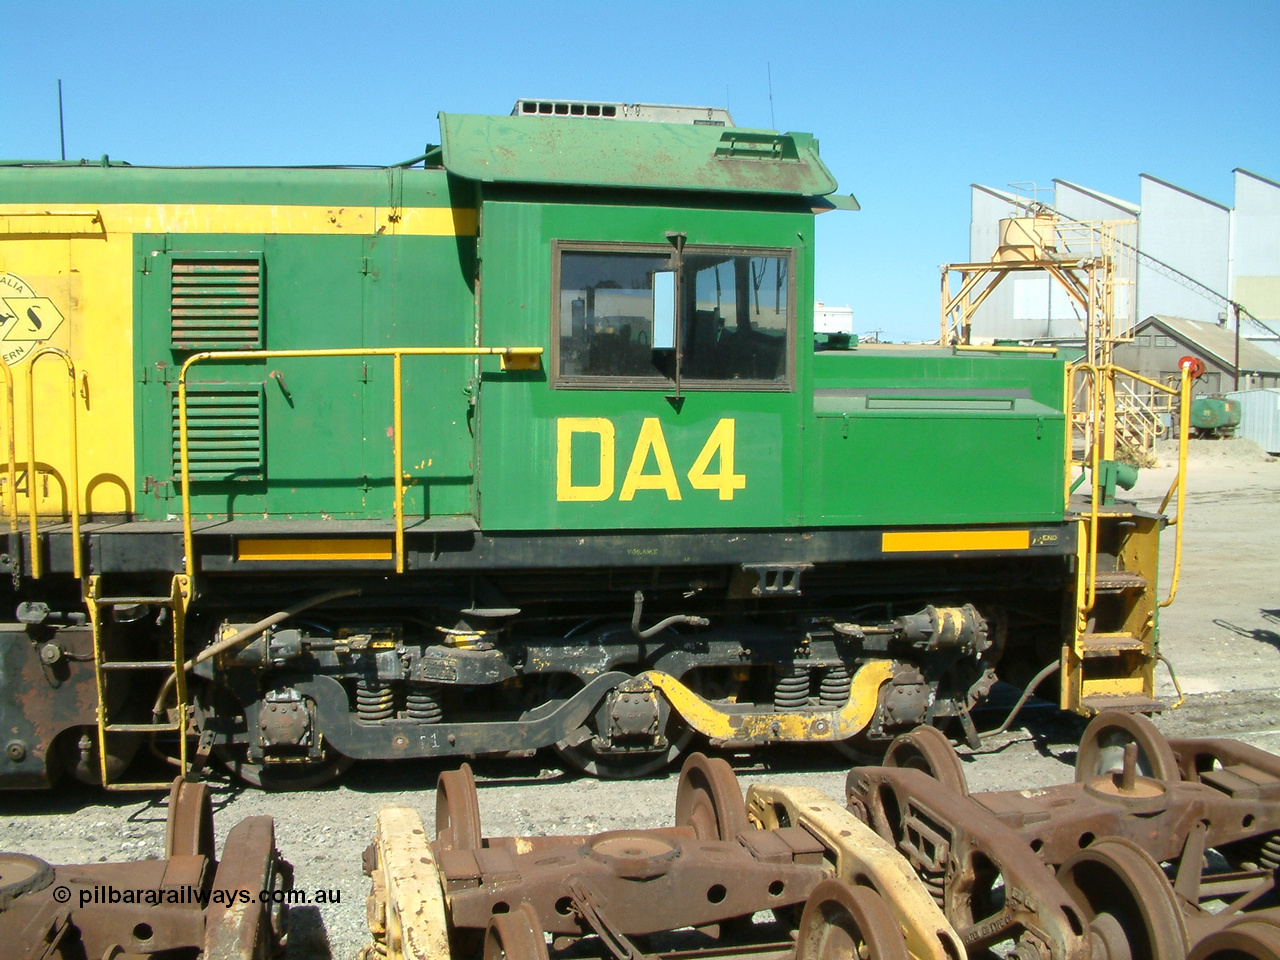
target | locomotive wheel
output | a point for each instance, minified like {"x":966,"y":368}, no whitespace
{"x":709,"y":799}
{"x":1103,"y":742}
{"x":1131,"y":909}
{"x":1245,"y":940}
{"x":841,"y":921}
{"x":305,"y":775}
{"x":628,"y":766}
{"x":863,"y":751}
{"x":457,"y":810}
{"x":189,"y":828}
{"x":927,"y":749}
{"x":216,"y":707}
{"x":515,"y":936}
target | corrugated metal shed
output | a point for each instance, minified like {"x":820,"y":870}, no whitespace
{"x":1260,"y":417}
{"x":1218,"y":342}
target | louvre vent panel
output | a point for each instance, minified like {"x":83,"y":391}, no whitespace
{"x":224,"y":432}
{"x":216,"y":304}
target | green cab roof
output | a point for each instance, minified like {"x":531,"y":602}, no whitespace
{"x":632,"y":154}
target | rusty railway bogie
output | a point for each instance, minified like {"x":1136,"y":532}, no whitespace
{"x":694,"y":886}
{"x":187,"y":905}
{"x":1159,"y":846}
{"x":991,"y":884}
{"x":1158,"y":850}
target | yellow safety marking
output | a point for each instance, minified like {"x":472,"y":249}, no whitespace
{"x":416,"y":924}
{"x":372,"y":548}
{"x":862,"y":858}
{"x":947,"y":541}
{"x":709,"y":720}
{"x":248,"y":218}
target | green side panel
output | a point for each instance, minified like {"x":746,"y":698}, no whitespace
{"x":326,"y":435}
{"x":519,"y":413}
{"x":68,"y":183}
{"x":419,"y":294}
{"x":611,"y":153}
{"x":934,"y":439}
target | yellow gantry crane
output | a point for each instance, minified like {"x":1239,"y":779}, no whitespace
{"x":1111,"y":662}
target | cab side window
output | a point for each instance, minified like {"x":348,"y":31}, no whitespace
{"x":735,"y":318}
{"x":607,"y":315}
{"x":645,"y":316}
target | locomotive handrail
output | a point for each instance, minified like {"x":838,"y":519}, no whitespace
{"x":11,"y":423}
{"x":73,"y":487}
{"x":1183,"y":392}
{"x":396,"y":353}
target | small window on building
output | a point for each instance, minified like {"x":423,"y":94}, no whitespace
{"x":1144,"y":340}
{"x":647,"y":315}
{"x":1165,"y":342}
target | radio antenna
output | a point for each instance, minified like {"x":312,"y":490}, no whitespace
{"x":768,"y":69}
{"x":62,"y":132}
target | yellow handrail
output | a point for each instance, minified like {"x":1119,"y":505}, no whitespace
{"x":73,"y":486}
{"x":1111,"y":371}
{"x":396,"y":353}
{"x":1068,"y":409}
{"x":1184,"y":428}
{"x":11,"y":423}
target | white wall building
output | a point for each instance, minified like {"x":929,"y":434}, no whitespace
{"x":832,"y":319}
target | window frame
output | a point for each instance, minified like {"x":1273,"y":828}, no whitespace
{"x":560,"y":381}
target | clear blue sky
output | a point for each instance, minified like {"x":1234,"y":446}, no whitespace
{"x":912,"y":101}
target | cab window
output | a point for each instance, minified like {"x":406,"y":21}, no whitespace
{"x":649,"y":316}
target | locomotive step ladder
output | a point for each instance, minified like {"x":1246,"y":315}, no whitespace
{"x":101,"y":607}
{"x":1111,"y":662}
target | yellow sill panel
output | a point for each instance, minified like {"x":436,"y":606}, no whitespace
{"x":374,"y":548}
{"x":954,"y":541}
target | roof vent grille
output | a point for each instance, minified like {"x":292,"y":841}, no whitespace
{"x":650,"y":112}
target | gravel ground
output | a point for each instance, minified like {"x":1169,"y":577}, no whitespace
{"x":1222,"y":634}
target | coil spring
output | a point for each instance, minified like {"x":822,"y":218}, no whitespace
{"x":792,"y":691}
{"x":423,"y":703}
{"x":374,"y":700}
{"x":834,"y":689}
{"x":1269,"y":856}
{"x":936,"y":884}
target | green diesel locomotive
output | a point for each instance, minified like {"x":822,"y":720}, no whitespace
{"x":524,"y":443}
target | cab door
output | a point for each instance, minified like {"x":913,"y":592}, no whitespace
{"x":416,"y":294}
